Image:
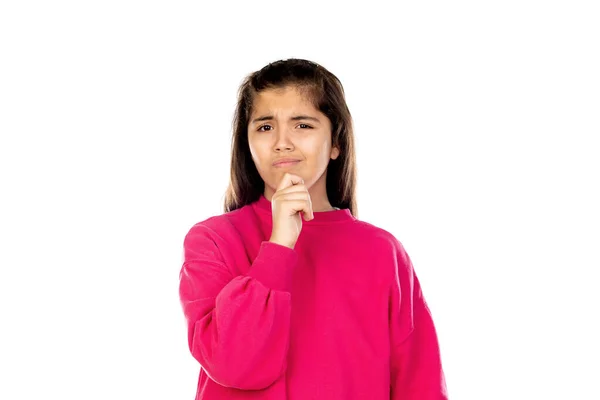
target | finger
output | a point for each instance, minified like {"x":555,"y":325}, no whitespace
{"x":299,"y":192}
{"x":299,"y":188}
{"x":292,"y":199}
{"x":289,"y":180}
{"x":300,"y":205}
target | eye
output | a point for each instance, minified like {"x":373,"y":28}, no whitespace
{"x":259,"y":129}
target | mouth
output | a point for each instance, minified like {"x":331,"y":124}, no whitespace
{"x":286,"y":164}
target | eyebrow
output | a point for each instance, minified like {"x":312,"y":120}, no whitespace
{"x":294,"y":118}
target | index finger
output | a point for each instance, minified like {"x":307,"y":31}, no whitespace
{"x":289,"y":180}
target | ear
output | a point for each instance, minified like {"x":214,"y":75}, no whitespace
{"x":335,"y":152}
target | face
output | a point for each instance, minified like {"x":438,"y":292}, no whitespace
{"x":284,"y":124}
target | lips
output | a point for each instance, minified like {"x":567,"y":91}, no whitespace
{"x":286,"y":161}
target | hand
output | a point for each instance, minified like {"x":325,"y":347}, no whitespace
{"x":289,"y":200}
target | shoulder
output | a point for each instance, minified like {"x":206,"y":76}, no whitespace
{"x":377,"y":236}
{"x":218,"y":226}
{"x":216,"y":237}
{"x":384,"y":247}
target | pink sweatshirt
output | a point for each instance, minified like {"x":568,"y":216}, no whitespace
{"x":340,"y":316}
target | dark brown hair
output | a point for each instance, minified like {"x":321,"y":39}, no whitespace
{"x":326,"y":93}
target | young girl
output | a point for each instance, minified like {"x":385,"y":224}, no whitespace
{"x":288,"y":295}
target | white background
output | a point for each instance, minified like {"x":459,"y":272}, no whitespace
{"x":477,"y":126}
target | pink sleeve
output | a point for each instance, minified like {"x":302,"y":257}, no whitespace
{"x":416,"y":369}
{"x":238,"y":326}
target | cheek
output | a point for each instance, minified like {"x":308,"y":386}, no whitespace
{"x":323,"y":154}
{"x":260,"y":156}
{"x":254,"y":151}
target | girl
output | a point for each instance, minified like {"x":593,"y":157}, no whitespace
{"x":287,"y":294}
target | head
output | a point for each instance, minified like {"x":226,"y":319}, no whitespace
{"x":292,"y":109}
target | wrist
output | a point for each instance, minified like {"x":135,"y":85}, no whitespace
{"x":281,"y":242}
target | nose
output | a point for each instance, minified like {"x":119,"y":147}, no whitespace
{"x":282,"y":140}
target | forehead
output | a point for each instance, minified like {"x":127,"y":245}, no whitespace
{"x":282,"y":98}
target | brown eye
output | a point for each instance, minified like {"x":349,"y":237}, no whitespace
{"x":259,"y":129}
{"x":310,"y":127}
